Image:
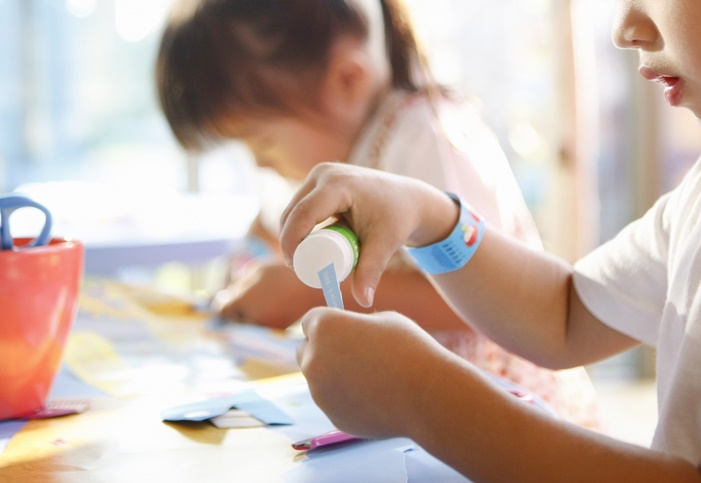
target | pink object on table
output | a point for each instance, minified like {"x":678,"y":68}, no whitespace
{"x":332,"y":437}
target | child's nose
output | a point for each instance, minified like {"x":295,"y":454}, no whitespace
{"x":632,"y":28}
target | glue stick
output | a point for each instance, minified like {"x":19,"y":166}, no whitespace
{"x":335,"y":244}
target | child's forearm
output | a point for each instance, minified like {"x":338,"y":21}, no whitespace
{"x":523,"y":299}
{"x":489,"y":436}
{"x":515,"y":295}
{"x":258,"y":230}
{"x":410,"y":293}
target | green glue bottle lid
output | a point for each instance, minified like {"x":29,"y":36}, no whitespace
{"x":335,"y":244}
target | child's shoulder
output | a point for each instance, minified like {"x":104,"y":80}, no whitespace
{"x":424,"y":108}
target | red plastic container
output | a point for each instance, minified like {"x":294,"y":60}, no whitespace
{"x":39,"y":291}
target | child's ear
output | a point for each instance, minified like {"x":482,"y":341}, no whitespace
{"x":350,"y":79}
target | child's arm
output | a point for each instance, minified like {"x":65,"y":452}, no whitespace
{"x":259,"y":231}
{"x":525,"y":300}
{"x":427,"y":393}
{"x":521,"y":298}
{"x":258,"y":244}
{"x":440,"y":401}
{"x":269,"y":293}
{"x":406,"y":290}
{"x":489,"y":437}
{"x":257,"y":277}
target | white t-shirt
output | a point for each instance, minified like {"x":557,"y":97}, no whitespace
{"x":646,"y":283}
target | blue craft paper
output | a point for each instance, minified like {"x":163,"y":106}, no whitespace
{"x":261,"y":408}
{"x":330,"y":287}
{"x":398,"y":460}
{"x":7,"y":430}
{"x":353,"y":462}
{"x":198,"y":411}
{"x":422,"y":467}
{"x":249,"y":401}
{"x":68,"y":385}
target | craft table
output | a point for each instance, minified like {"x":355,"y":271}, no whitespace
{"x":132,"y":354}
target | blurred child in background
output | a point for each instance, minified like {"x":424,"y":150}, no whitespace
{"x":302,"y":82}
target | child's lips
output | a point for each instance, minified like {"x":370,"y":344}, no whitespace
{"x":673,"y":86}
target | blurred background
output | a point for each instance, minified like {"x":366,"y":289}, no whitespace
{"x":592,"y":144}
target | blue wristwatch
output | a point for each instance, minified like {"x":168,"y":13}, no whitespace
{"x":455,"y":251}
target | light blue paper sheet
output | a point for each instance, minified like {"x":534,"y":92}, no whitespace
{"x":330,"y":287}
{"x":248,"y":401}
{"x":386,"y":461}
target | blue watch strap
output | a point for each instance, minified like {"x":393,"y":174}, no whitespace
{"x":457,"y":249}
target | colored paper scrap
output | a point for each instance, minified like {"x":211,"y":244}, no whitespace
{"x":249,"y":401}
{"x":330,"y":287}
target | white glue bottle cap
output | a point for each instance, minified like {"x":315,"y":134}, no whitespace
{"x":335,"y":244}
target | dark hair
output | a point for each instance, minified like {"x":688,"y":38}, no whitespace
{"x":262,"y":56}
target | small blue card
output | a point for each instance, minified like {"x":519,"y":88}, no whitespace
{"x":248,"y":401}
{"x":330,"y":287}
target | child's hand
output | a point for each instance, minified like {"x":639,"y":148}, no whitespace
{"x":266,"y":293}
{"x":386,"y":211}
{"x":368,"y":373}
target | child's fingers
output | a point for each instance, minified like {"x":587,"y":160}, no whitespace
{"x":301,"y":352}
{"x":296,"y":223}
{"x":313,"y":203}
{"x":307,"y":350}
{"x":307,"y":324}
{"x":373,"y":261}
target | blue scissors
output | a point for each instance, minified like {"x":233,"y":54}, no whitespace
{"x":11,"y":202}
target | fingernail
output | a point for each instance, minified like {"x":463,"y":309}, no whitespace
{"x":370,"y":295}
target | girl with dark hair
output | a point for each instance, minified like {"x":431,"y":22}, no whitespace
{"x":302,"y":82}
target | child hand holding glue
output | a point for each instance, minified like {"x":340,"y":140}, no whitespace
{"x":325,"y":258}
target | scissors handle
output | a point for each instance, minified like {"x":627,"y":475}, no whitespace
{"x":11,"y":202}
